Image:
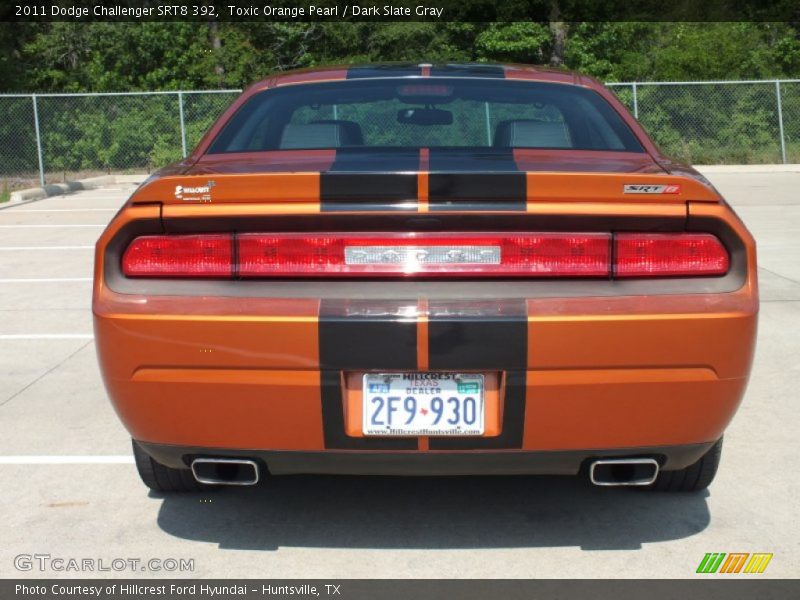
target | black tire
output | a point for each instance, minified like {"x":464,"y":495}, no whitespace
{"x":693,"y":478}
{"x":160,"y":478}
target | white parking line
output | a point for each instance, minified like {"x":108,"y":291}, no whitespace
{"x":46,"y":280}
{"x":59,"y":210}
{"x":48,"y":226}
{"x":67,"y":460}
{"x":12,"y":248}
{"x":46,"y":336}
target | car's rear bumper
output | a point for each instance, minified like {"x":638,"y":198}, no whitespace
{"x":598,"y":365}
{"x":600,"y":373}
{"x":428,"y":463}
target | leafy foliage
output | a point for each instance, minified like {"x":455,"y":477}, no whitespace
{"x":55,"y":57}
{"x":136,"y":132}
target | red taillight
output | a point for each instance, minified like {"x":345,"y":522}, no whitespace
{"x":423,"y":254}
{"x":206,"y":255}
{"x":668,"y":254}
{"x":269,"y":255}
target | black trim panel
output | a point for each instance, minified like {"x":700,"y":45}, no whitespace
{"x":525,"y":462}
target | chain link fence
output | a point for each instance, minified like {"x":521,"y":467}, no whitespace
{"x":48,"y":138}
{"x":718,"y":122}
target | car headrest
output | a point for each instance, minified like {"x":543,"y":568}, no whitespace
{"x":353,"y":135}
{"x":532,"y":133}
{"x":321,"y":134}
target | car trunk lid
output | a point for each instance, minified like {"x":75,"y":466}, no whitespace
{"x":423,"y":180}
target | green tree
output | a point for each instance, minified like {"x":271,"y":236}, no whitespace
{"x":514,"y":42}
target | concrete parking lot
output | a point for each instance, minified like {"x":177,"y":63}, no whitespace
{"x":71,"y":490}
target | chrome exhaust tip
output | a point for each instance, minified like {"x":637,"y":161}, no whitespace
{"x":623,"y":472}
{"x":225,"y":471}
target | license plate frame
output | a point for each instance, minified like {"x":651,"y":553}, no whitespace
{"x":457,"y":399}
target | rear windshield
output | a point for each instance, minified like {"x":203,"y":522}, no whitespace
{"x":426,"y":113}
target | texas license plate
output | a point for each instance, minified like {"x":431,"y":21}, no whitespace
{"x":425,"y":404}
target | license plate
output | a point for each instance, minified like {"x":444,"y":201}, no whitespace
{"x":414,"y":404}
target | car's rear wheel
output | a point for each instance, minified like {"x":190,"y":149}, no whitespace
{"x":695,"y":477}
{"x":161,"y":478}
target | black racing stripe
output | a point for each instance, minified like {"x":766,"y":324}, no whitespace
{"x":360,"y":180}
{"x":468,"y":181}
{"x":367,"y":334}
{"x":361,"y":336}
{"x":356,"y":160}
{"x":474,"y":70}
{"x":367,"y":191}
{"x":333,"y":422}
{"x":460,"y":160}
{"x":477,"y":191}
{"x":368,"y":72}
{"x":483,"y":336}
{"x":478,"y":335}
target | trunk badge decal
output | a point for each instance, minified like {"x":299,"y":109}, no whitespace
{"x":201,"y":193}
{"x":647,"y":188}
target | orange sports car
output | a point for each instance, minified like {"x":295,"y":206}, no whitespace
{"x":426,"y":269}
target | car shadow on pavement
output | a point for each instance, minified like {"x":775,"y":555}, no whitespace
{"x":431,"y":513}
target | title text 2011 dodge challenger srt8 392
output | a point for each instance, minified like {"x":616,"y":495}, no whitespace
{"x":426,"y":269}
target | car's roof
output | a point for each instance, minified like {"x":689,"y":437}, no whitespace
{"x":468,"y":70}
